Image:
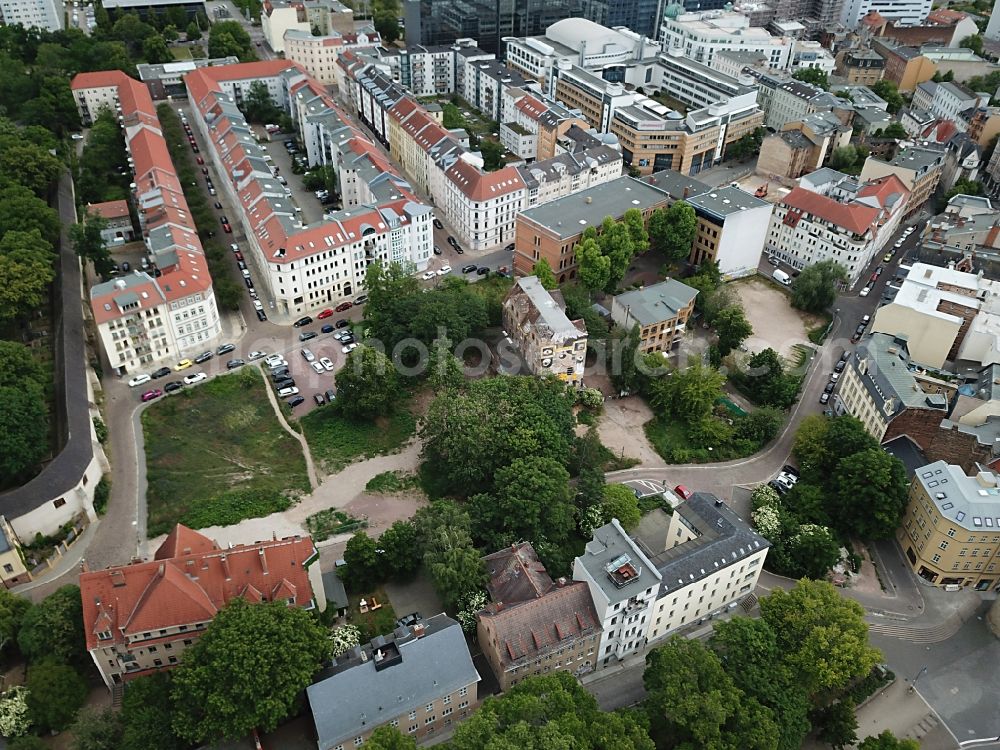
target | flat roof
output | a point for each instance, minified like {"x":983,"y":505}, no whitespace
{"x":727,"y":200}
{"x":659,"y":302}
{"x":970,"y":502}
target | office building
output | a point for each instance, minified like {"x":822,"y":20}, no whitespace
{"x":40,"y":14}
{"x":701,"y":35}
{"x":146,"y":8}
{"x":909,"y":12}
{"x":732,"y":228}
{"x":328,"y":17}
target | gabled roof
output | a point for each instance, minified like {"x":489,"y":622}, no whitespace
{"x":516,"y":574}
{"x":109,"y":209}
{"x":184,"y":541}
{"x":854,"y":217}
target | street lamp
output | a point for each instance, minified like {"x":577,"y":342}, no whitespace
{"x":913,"y":684}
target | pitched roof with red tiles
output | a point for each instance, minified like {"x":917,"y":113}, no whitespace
{"x":531,"y":106}
{"x":109,"y":209}
{"x":188,"y":581}
{"x":854,"y":217}
{"x":883,"y":189}
{"x":945,"y":17}
{"x":516,"y":574}
{"x":483,"y":186}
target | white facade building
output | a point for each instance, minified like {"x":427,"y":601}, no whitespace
{"x":318,"y":54}
{"x":42,"y":14}
{"x":830,"y":216}
{"x":903,"y":12}
{"x":700,"y":35}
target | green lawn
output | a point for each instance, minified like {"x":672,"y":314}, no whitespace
{"x":670,"y":439}
{"x":215,"y":454}
{"x":336,"y":442}
{"x":330,"y":522}
{"x":381,"y":621}
{"x":180,"y":53}
{"x":389,"y":482}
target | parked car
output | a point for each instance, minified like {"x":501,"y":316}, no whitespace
{"x":343,"y":306}
{"x":306,"y":335}
{"x":302,"y":322}
{"x":438,"y":224}
{"x":261,"y":316}
{"x":682,"y":492}
{"x":150,"y":395}
{"x":331,"y":395}
{"x":509,"y":248}
{"x":139,"y":380}
{"x":343,"y":323}
{"x":427,"y":275}
{"x":161,"y":373}
{"x":887,"y":257}
{"x":203,"y":357}
{"x":326,"y":364}
{"x":326,"y":329}
{"x":362,"y":298}
{"x":437,"y":250}
{"x":458,"y":249}
{"x":865,"y":292}
{"x":307,"y":355}
{"x":275,"y":360}
{"x":828,"y":388}
{"x":482,"y":271}
{"x":284,"y":383}
{"x":234,"y":363}
{"x":295,"y":401}
{"x":452,"y":241}
{"x":789,"y":469}
{"x":442,"y":271}
{"x":183,"y":365}
{"x":324,"y":314}
{"x":350,"y":347}
{"x":317,"y":368}
{"x":218,"y":205}
{"x":290,"y":391}
{"x":173,"y":385}
{"x":318,"y":398}
{"x":469,"y":268}
{"x":256,"y":355}
{"x":225,"y":349}
{"x":777,"y":487}
{"x":824,"y":398}
{"x":195,"y":377}
{"x":839,"y":367}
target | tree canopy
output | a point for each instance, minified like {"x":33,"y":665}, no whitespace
{"x":815,"y":288}
{"x":368,"y":385}
{"x":55,"y":693}
{"x":53,"y":628}
{"x":672,"y":230}
{"x":227,"y":38}
{"x":246,"y":670}
{"x":147,"y":713}
{"x":814,"y":76}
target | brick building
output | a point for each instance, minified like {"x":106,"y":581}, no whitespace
{"x":661,"y":311}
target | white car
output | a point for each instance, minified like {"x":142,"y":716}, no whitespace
{"x":290,"y":391}
{"x":258,"y":305}
{"x":195,"y":377}
{"x":246,"y":274}
{"x":427,"y":275}
{"x":326,"y":363}
{"x":350,"y":347}
{"x":256,"y":355}
{"x":139,"y":380}
{"x":77,"y":136}
{"x":444,"y":270}
{"x":864,"y":292}
{"x":317,"y":367}
{"x":834,"y":377}
{"x":234,"y":247}
{"x":275,"y":360}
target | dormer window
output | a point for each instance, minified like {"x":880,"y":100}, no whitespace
{"x":104,"y":635}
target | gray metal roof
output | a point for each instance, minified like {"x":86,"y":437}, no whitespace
{"x":882,"y":364}
{"x":972,"y":503}
{"x":726,"y":200}
{"x":612,"y":545}
{"x":907,"y":451}
{"x":352,"y":696}
{"x":550,"y":314}
{"x":570,"y":215}
{"x":656,"y":303}
{"x":721,"y":538}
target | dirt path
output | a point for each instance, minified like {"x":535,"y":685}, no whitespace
{"x":621,"y":428}
{"x":310,"y":466}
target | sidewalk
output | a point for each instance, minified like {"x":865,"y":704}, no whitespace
{"x":68,"y":563}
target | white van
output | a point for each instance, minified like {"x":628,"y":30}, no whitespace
{"x":781,"y":277}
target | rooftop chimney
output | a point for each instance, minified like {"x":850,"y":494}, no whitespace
{"x":263,"y":560}
{"x":225,"y":567}
{"x":418,"y":630}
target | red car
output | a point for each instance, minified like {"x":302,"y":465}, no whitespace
{"x":200,"y":160}
{"x":227,"y":229}
{"x":683,"y":492}
{"x":344,"y":306}
{"x":875,"y":277}
{"x":325,"y":314}
{"x":150,"y":395}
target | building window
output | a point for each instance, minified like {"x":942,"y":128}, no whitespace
{"x":413,"y":715}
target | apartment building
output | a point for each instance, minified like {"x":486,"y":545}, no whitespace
{"x":167,"y":79}
{"x":732,"y":229}
{"x":946,"y":100}
{"x":552,"y":231}
{"x":831,"y":216}
{"x":41,"y":14}
{"x":171,"y":310}
{"x":419,"y":679}
{"x":700,"y":35}
{"x":802,"y":147}
{"x":786,"y":100}
{"x":661,"y":312}
{"x":707,"y":557}
{"x":945,"y":314}
{"x":326,"y":16}
{"x":306,"y":266}
{"x":623,"y":585}
{"x":317,"y":55}
{"x":140,"y":618}
{"x":905,"y":66}
{"x":903,"y":12}
{"x":951,"y":529}
{"x":119,"y":221}
{"x":13,"y":570}
{"x":918,"y":166}
{"x":888,"y":396}
{"x":861,"y":66}
{"x":534,"y":625}
{"x":548,"y":342}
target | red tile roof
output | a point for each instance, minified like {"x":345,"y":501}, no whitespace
{"x":945,"y":17}
{"x":854,"y":217}
{"x":109,"y":209}
{"x":189,"y":579}
{"x":483,"y":186}
{"x":531,"y":106}
{"x":882,"y":188}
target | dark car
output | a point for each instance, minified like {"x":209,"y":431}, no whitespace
{"x":125,"y":267}
{"x":437,"y":250}
{"x":846,"y":355}
{"x":295,"y":401}
{"x":249,"y":283}
{"x":203,"y":357}
{"x":458,"y":249}
{"x":789,"y":469}
{"x":281,"y":374}
{"x":343,"y":323}
{"x":469,"y":268}
{"x":824,"y":398}
{"x":241,"y":265}
{"x":223,"y":219}
{"x":828,"y":388}
{"x":162,"y":372}
{"x":408,"y":621}
{"x":859,"y":330}
{"x":284,"y":383}
{"x":509,"y":248}
{"x":173,"y":385}
{"x":839,"y":367}
{"x":879,"y":270}
{"x":331,"y":395}
{"x":452,"y":241}
{"x":438,"y":224}
{"x":777,"y":487}
{"x":218,"y":205}
{"x":204,"y":170}
{"x":261,"y":316}
{"x":302,"y":322}
{"x":482,"y":271}
{"x":326,"y":329}
{"x":306,"y":335}
{"x":234,"y":363}
{"x":225,"y":349}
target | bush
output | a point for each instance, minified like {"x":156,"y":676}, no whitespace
{"x":228,"y":508}
{"x":102,"y":492}
{"x":101,"y":430}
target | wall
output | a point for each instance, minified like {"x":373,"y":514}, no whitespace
{"x":929,"y":338}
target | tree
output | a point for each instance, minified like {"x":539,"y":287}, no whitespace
{"x":21,"y":210}
{"x":733,"y":328}
{"x":594,"y":267}
{"x":26,"y":271}
{"x":812,"y":551}
{"x":888,"y":91}
{"x":247,"y":670}
{"x":843,"y":158}
{"x":747,"y":146}
{"x":615,"y":242}
{"x":24,"y":439}
{"x":548,"y":712}
{"x":620,"y":502}
{"x":13,"y":608}
{"x":815,"y":288}
{"x":810,"y":445}
{"x":227,"y":38}
{"x":824,"y":636}
{"x":27,"y":162}
{"x":887,"y":741}
{"x":368,"y":385}
{"x":636,"y":225}
{"x":364,"y":563}
{"x":258,"y":105}
{"x":155,"y":50}
{"x":687,"y":394}
{"x":387,"y":25}
{"x":454,"y":566}
{"x":895,"y":130}
{"x":53,"y":628}
{"x":452,"y":118}
{"x":55,"y":693}
{"x":28,"y":742}
{"x":870,"y":492}
{"x":973,"y":42}
{"x":147,"y":715}
{"x":344,"y":639}
{"x":815,"y":76}
{"x":386,"y":737}
{"x":674,"y":233}
{"x":543,"y":271}
{"x":400,"y":551}
{"x":962,"y":187}
{"x":764,"y":379}
{"x":692,"y":703}
{"x":192,"y":32}
{"x":97,"y":729}
{"x":90,"y":245}
{"x":15,"y":716}
{"x":170,"y":33}
{"x":759,"y":426}
{"x":838,"y":724}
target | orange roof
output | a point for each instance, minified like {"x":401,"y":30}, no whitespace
{"x":945,"y":17}
{"x":109,"y":209}
{"x":531,"y":106}
{"x":854,"y":217}
{"x":883,"y":187}
{"x":874,"y":19}
{"x":188,"y":581}
{"x":484,"y":186}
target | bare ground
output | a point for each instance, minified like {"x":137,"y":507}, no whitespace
{"x":776,"y":324}
{"x":621,"y":426}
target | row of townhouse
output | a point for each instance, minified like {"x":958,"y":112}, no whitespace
{"x":306,"y":266}
{"x":480,"y":206}
{"x":169,"y":311}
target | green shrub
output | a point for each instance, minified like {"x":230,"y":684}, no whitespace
{"x":392,"y":481}
{"x":101,"y":430}
{"x":102,"y":492}
{"x":227,"y":508}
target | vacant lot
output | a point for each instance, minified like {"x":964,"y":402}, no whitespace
{"x":215,"y":454}
{"x":776,"y":324}
{"x":336,"y":441}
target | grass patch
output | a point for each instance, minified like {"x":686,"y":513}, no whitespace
{"x":671,"y":439}
{"x":381,"y":621}
{"x":215,"y":455}
{"x":393,"y":481}
{"x":180,"y":53}
{"x":330,"y":522}
{"x":336,"y":441}
{"x":818,"y":334}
